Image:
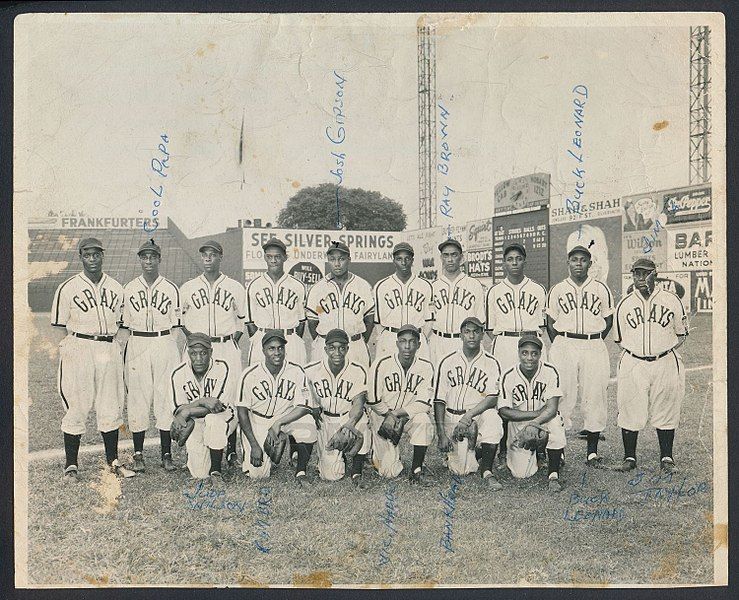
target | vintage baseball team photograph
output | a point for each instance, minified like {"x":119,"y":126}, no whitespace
{"x":335,"y":300}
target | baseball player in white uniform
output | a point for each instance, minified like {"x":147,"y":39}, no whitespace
{"x":202,"y":389}
{"x":467,"y":385}
{"x":343,"y":301}
{"x":213,"y":303}
{"x":151,"y":313}
{"x":579,"y":317}
{"x":455,"y":296}
{"x":530,"y":394}
{"x":89,"y":306}
{"x":651,"y":325}
{"x":273,"y":394}
{"x":340,"y":390}
{"x":276,"y":300}
{"x":402,"y":383}
{"x":402,"y":299}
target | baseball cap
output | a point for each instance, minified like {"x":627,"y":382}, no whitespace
{"x":198,"y":339}
{"x":582,"y":249}
{"x":514,"y":246}
{"x":337,"y":335}
{"x":409,"y":329}
{"x":90,"y":243}
{"x":150,"y":245}
{"x":340,"y":246}
{"x":403,"y":247}
{"x":530,"y":338}
{"x":271,"y":334}
{"x":277,"y":243}
{"x":644,"y":263}
{"x":474,"y":321}
{"x":452,"y":242}
{"x":212,"y":244}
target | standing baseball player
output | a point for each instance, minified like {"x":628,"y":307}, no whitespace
{"x":273,"y":397}
{"x":89,"y":306}
{"x":529,"y":397}
{"x":402,"y":299}
{"x":579,"y":317}
{"x":151,"y":313}
{"x":340,"y":389}
{"x":341,"y":300}
{"x":651,"y":325}
{"x":401,"y":387}
{"x":214,"y":304}
{"x":276,"y":300}
{"x":202,"y":393}
{"x":455,"y":296}
{"x":467,"y":385}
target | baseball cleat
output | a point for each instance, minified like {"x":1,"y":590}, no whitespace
{"x":71,"y":473}
{"x":218,"y":478}
{"x":491,"y":481}
{"x":302,"y":479}
{"x":168,"y":464}
{"x":121,"y":471}
{"x":358,"y":482}
{"x":554,"y":485}
{"x":667,"y":464}
{"x":233,"y":459}
{"x":138,"y":462}
{"x":293,"y":458}
{"x":595,"y":461}
{"x":629,"y":464}
{"x":419,"y":478}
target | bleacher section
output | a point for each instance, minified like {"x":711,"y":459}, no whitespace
{"x":51,"y":248}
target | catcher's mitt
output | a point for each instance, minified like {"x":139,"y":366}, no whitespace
{"x":347,"y":440}
{"x":274,"y":445}
{"x":532,"y":437}
{"x":469,"y":432}
{"x":179,"y":433}
{"x":392,"y":428}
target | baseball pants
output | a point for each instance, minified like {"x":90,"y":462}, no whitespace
{"x":210,"y":433}
{"x":584,"y":369}
{"x":149,"y":362}
{"x":522,"y":462}
{"x":386,"y":456}
{"x":303,"y":430}
{"x":331,"y":462}
{"x":461,"y":459}
{"x":90,"y":375}
{"x":358,"y":352}
{"x":440,"y":346}
{"x":505,"y":350}
{"x":294,"y":349}
{"x":387,"y":344}
{"x":650,"y":392}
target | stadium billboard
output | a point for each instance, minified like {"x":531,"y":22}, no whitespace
{"x":529,"y":192}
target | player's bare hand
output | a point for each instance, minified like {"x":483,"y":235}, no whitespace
{"x":274,"y":431}
{"x":444,"y":443}
{"x":180,"y":420}
{"x":256,"y":456}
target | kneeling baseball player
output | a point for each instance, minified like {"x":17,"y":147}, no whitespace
{"x":202,"y":394}
{"x":273,"y":402}
{"x":340,"y":389}
{"x":401,"y":386}
{"x":464,"y":401}
{"x":529,"y":400}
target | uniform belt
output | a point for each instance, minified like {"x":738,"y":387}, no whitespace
{"x":582,"y":336}
{"x":456,"y":412}
{"x":330,"y":414}
{"x":353,"y":338}
{"x":283,"y":331}
{"x":392,"y":329}
{"x":513,"y":333}
{"x":151,"y":333}
{"x":648,"y":358}
{"x":446,"y":335}
{"x":225,"y":338}
{"x":97,"y":338}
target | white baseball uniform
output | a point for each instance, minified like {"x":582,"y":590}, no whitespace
{"x":452,"y":301}
{"x":212,"y":430}
{"x":517,"y":391}
{"x":392,"y":387}
{"x":510,"y":310}
{"x":462,"y":384}
{"x":398,"y":304}
{"x":276,"y":305}
{"x":150,"y":313}
{"x":580,"y":354}
{"x":651,"y":375}
{"x":334,"y":395}
{"x":90,"y":361}
{"x":341,"y":308}
{"x":218,"y":311}
{"x":269,"y":397}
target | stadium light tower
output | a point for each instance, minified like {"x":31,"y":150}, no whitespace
{"x":426,"y":125}
{"x":700,"y":105}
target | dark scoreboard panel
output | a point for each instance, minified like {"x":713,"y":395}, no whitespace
{"x":531,"y":229}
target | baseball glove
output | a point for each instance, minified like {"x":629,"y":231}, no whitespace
{"x":179,"y":433}
{"x":274,"y":445}
{"x":346,"y":440}
{"x":392,"y":428}
{"x":532,"y":437}
{"x":462,"y":431}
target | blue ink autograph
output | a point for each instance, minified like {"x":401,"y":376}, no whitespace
{"x":450,"y":504}
{"x":445,"y":157}
{"x":158,"y":165}
{"x":388,"y":520}
{"x":262,"y":524}
{"x":202,"y":498}
{"x":574,"y":205}
{"x":337,"y":137}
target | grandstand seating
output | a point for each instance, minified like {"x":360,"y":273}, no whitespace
{"x":49,"y":247}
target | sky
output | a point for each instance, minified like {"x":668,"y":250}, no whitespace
{"x":94,"y":94}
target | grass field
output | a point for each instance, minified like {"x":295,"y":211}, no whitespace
{"x":151,"y":529}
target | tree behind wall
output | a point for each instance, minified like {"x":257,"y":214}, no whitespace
{"x":360,"y":210}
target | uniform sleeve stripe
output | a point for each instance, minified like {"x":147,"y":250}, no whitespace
{"x":225,"y":379}
{"x":57,"y":296}
{"x":174,"y":390}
